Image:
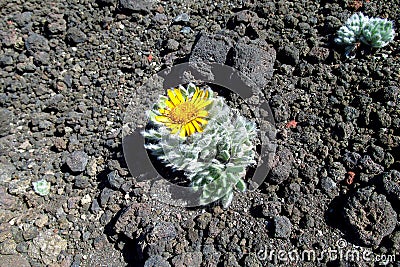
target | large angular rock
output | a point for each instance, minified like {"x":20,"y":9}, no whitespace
{"x":36,"y":43}
{"x":369,"y":216}
{"x":256,"y":61}
{"x":212,"y":49}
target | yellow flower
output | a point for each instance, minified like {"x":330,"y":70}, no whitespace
{"x":185,"y":114}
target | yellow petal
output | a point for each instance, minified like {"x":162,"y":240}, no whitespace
{"x":191,"y":128}
{"x":197,"y":126}
{"x":179,"y":95}
{"x":194,"y":97}
{"x":162,"y":119}
{"x":203,"y":104}
{"x":202,"y":121}
{"x":170,"y":104}
{"x":164,"y":111}
{"x":202,"y":114}
{"x":173,"y":98}
{"x":183,"y":132}
{"x":175,"y":129}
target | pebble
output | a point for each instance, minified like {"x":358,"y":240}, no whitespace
{"x":289,"y":54}
{"x":81,"y":182}
{"x":281,"y":166}
{"x":14,"y":260}
{"x":114,"y":180}
{"x":77,"y":161}
{"x":56,"y":23}
{"x":369,"y":216}
{"x":47,"y":246}
{"x":136,"y":5}
{"x":156,"y":261}
{"x":36,"y":43}
{"x":75,"y":36}
{"x":188,"y":259}
{"x":184,"y":17}
{"x":172,"y":45}
{"x":391,"y":186}
{"x":160,"y":18}
{"x":282,"y":227}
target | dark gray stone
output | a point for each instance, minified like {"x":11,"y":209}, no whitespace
{"x":81,"y":182}
{"x":106,"y":217}
{"x":289,"y":54}
{"x":203,"y":220}
{"x":160,"y":18}
{"x":369,"y":216}
{"x":136,"y":5}
{"x":5,"y":119}
{"x":172,"y":45}
{"x":328,"y":185}
{"x":280,"y":168}
{"x":255,"y":61}
{"x":41,"y":58}
{"x":318,"y":54}
{"x":192,"y":259}
{"x":77,"y":161}
{"x":95,"y":207}
{"x":391,"y":186}
{"x":282,"y":227}
{"x":105,"y":195}
{"x":36,"y":43}
{"x":252,"y":260}
{"x":337,"y":171}
{"x":163,"y":230}
{"x":210,"y":255}
{"x":75,"y":36}
{"x":369,"y":166}
{"x":6,"y":60}
{"x":56,"y":24}
{"x":8,"y":38}
{"x":156,"y":261}
{"x":114,"y":180}
{"x":211,"y":48}
{"x":271,"y":209}
{"x":23,"y":19}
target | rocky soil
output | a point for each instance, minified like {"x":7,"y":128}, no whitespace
{"x":69,"y":70}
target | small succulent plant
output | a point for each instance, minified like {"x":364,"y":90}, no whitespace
{"x":41,"y":187}
{"x":350,"y":32}
{"x":214,"y":159}
{"x":375,"y":32}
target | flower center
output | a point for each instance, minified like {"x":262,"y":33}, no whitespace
{"x":183,"y":113}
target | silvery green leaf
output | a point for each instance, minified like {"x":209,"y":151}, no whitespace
{"x":241,"y":185}
{"x":227,"y":199}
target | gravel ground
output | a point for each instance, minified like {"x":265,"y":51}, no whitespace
{"x":69,"y":70}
